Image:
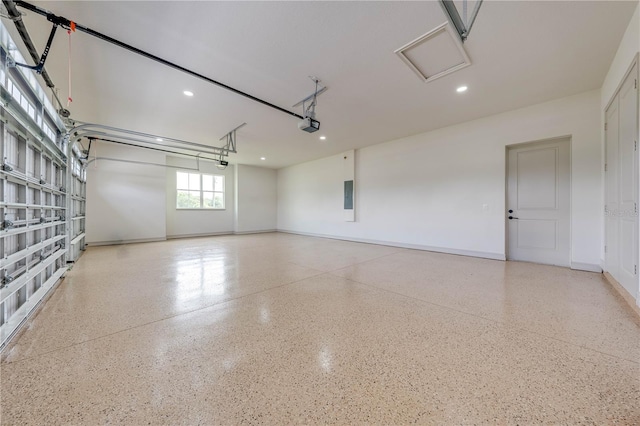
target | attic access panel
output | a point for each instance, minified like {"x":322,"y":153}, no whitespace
{"x":435,"y":54}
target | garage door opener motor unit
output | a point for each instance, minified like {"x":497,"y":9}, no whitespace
{"x":309,"y":123}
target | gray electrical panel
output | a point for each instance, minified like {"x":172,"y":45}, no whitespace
{"x":348,"y":195}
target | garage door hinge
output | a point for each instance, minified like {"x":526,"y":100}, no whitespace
{"x":5,"y":280}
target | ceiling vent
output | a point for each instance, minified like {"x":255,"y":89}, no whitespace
{"x":435,"y":54}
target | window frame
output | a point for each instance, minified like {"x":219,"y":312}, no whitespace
{"x":201,"y":190}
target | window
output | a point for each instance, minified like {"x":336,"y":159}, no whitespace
{"x":199,"y":191}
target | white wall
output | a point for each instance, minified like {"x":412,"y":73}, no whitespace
{"x":129,"y":202}
{"x":184,"y":223}
{"x":430,"y":190}
{"x":256,"y":193}
{"x":125,"y":201}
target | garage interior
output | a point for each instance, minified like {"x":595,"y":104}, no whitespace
{"x":319,"y":212}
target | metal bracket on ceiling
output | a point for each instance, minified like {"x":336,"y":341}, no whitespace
{"x":40,"y":66}
{"x":230,"y":146}
{"x":16,"y":16}
{"x":461,"y":24}
{"x":310,"y":109}
{"x":230,"y":138}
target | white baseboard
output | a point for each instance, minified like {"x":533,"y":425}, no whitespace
{"x":589,"y":267}
{"x":460,"y":252}
{"x":177,"y":236}
{"x":117,"y":242}
{"x":263,"y":231}
{"x":205,"y":234}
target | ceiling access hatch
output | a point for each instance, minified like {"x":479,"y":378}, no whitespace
{"x":435,"y":54}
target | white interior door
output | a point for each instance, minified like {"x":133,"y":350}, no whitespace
{"x":621,"y":176}
{"x":538,"y":205}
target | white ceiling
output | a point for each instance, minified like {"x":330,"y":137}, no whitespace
{"x":522,"y":53}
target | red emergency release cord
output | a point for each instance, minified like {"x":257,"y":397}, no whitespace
{"x":72,"y":27}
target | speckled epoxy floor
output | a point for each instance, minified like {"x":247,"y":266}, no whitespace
{"x":281,"y":329}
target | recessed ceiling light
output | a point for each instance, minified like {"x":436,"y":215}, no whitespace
{"x":323,"y":138}
{"x":188,"y":93}
{"x":461,"y":89}
{"x":159,"y":139}
{"x":262,"y":158}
